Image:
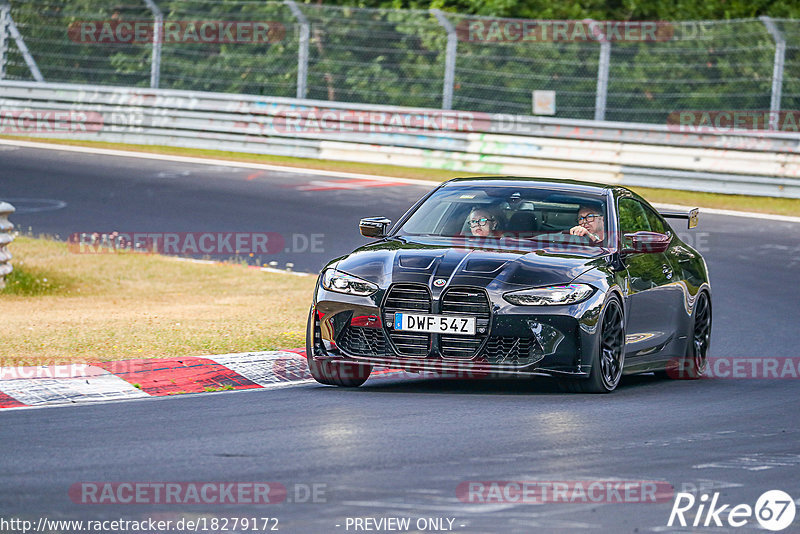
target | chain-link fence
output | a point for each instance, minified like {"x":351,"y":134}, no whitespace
{"x":597,"y":70}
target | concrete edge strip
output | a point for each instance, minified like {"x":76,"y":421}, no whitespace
{"x":317,"y":172}
{"x":34,"y":386}
{"x":59,"y":385}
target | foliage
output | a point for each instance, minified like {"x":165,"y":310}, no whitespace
{"x":383,"y":55}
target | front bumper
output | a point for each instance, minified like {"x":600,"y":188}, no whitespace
{"x":516,"y":340}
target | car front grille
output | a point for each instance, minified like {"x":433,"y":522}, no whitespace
{"x":410,"y":298}
{"x":516,"y":351}
{"x":469,"y":302}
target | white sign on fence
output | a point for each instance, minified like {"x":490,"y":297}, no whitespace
{"x":544,"y":102}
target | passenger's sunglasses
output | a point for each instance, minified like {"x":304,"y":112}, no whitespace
{"x":479,"y":222}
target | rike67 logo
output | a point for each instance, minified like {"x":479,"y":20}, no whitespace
{"x":774,"y":510}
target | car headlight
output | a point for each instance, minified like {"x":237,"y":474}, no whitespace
{"x":550,"y":295}
{"x":340,"y":282}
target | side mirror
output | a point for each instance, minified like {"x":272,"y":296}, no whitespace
{"x":648,"y":242}
{"x":374,"y":226}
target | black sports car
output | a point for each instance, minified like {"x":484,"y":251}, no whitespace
{"x":584,"y":282}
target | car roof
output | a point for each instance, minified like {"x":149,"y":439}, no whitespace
{"x":574,"y":186}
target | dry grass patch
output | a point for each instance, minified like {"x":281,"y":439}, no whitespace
{"x":60,"y":307}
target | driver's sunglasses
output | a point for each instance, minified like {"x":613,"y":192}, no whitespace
{"x":479,"y":222}
{"x":589,"y":218}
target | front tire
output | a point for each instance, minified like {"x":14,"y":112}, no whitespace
{"x":332,"y":372}
{"x":608,"y":360}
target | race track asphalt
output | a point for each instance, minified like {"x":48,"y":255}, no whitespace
{"x":401,"y":448}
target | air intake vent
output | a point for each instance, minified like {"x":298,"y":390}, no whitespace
{"x":513,"y":351}
{"x":362,"y":341}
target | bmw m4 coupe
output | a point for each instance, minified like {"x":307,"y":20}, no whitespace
{"x":495,"y":276}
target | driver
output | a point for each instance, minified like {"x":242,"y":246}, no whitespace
{"x":591,"y":224}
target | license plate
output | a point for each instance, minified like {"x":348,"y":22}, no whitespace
{"x":435,"y":324}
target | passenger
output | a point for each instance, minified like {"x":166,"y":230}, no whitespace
{"x":483,"y":222}
{"x":591,"y":224}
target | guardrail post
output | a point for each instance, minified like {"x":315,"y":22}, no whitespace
{"x":6,"y":237}
{"x":449,"y":60}
{"x":302,"y":51}
{"x":602,"y":70}
{"x":5,"y":11}
{"x":777,"y":71}
{"x":158,"y":33}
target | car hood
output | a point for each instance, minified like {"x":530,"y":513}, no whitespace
{"x":466,"y":261}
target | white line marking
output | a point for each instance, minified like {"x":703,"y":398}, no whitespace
{"x":47,"y":204}
{"x":262,"y":269}
{"x":318,"y":172}
{"x":209,"y":161}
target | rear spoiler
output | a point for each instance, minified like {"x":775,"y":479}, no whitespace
{"x":690,"y":215}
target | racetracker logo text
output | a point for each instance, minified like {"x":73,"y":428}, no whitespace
{"x":194,"y":243}
{"x":53,"y":121}
{"x":537,"y":31}
{"x":177,"y":493}
{"x":756,"y":368}
{"x":347,"y":120}
{"x":564,"y":491}
{"x":176,"y":32}
{"x":733,"y":121}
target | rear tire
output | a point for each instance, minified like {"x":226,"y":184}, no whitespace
{"x":608,"y":361}
{"x":333,"y":372}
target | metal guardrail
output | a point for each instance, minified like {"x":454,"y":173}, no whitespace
{"x":6,"y":237}
{"x":764,"y":163}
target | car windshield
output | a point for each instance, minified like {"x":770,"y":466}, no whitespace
{"x":512,"y":215}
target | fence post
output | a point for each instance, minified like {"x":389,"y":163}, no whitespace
{"x":6,"y":237}
{"x":449,"y":60}
{"x":158,"y":33}
{"x":602,"y":70}
{"x":5,"y":10}
{"x":777,"y":71}
{"x":302,"y":51}
{"x":23,"y":48}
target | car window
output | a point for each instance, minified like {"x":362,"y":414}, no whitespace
{"x":529,"y":216}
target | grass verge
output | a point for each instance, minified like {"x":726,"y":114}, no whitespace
{"x":779,"y":206}
{"x":59,"y":307}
